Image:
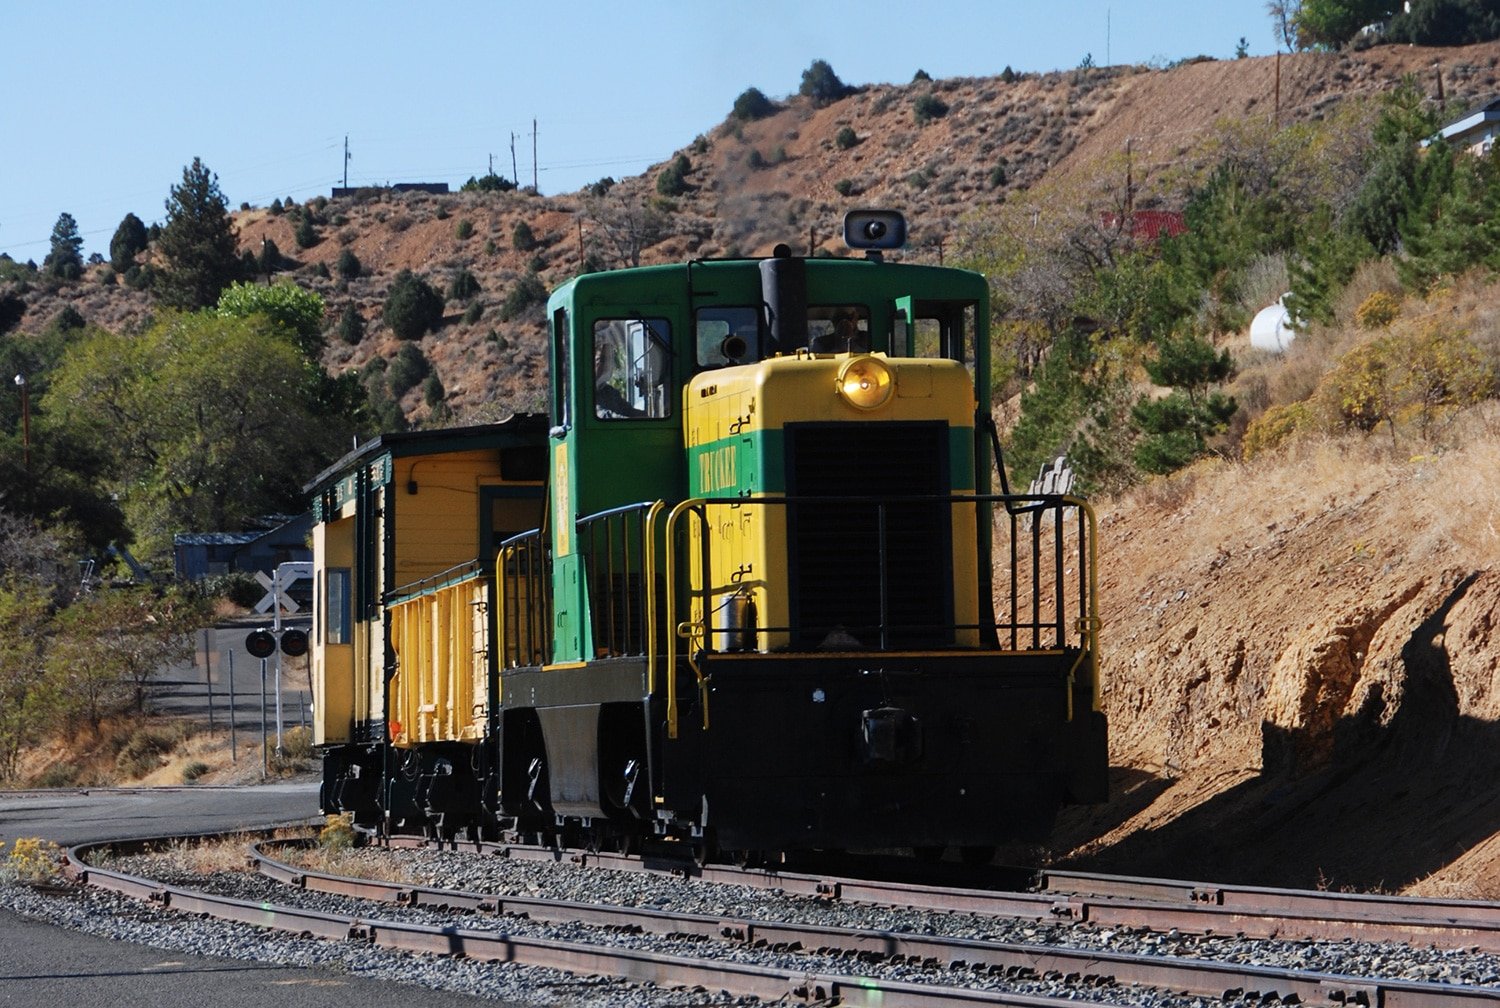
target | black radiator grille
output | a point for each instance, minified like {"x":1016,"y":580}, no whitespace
{"x":835,"y":568}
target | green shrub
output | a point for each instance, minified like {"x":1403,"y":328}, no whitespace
{"x":407,"y":369}
{"x":473,"y":313}
{"x":522,"y":238}
{"x":351,"y":326}
{"x":464,"y":230}
{"x":238,"y":587}
{"x":413,"y":306}
{"x":844,"y":187}
{"x":489,"y":183}
{"x":349,"y":265}
{"x":997,"y":176}
{"x":821,"y":84}
{"x":752,"y":105}
{"x":306,"y":236}
{"x":528,"y":291}
{"x":928,"y":107}
{"x":846,"y":138}
{"x":671,"y":182}
{"x":433,"y":392}
{"x":463,"y":285}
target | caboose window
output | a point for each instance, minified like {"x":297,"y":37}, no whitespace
{"x":336,"y":616}
{"x":632,"y":368}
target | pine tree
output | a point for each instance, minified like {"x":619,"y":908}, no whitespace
{"x":65,"y":261}
{"x":198,"y":243}
{"x":822,"y":85}
{"x":1176,"y":428}
{"x":128,"y":242}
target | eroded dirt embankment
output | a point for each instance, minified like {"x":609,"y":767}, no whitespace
{"x":1301,"y":670}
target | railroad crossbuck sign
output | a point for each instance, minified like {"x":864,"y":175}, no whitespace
{"x":277,"y":585}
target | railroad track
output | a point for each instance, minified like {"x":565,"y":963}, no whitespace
{"x":814,"y":963}
{"x":1105,"y":900}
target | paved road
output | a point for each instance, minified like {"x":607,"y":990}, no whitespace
{"x":42,"y":965}
{"x":75,"y":816}
{"x":200,"y":687}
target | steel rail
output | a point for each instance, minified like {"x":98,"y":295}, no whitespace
{"x":635,"y":965}
{"x":1108,"y":901}
{"x":1020,"y":961}
{"x":1264,"y":899}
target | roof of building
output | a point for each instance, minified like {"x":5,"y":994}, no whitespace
{"x":1475,"y":120}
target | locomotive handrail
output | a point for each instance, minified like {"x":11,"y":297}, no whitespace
{"x":672,"y":629}
{"x":1019,"y":507}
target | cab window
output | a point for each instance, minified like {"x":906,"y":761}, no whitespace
{"x":632,"y":368}
{"x":727,"y":335}
{"x":838,"y":328}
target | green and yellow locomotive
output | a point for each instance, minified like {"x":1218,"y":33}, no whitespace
{"x":747,"y":587}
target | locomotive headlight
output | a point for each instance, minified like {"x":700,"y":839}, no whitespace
{"x":865,"y":382}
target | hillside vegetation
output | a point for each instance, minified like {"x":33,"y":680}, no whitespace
{"x":1299,"y":550}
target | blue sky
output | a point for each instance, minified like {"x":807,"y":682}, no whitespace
{"x":107,"y":101}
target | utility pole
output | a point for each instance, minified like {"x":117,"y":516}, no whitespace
{"x":535,"y":187}
{"x":346,"y":160}
{"x":1276,"y":104}
{"x":492,"y":164}
{"x":1129,"y":179}
{"x":515,"y":174}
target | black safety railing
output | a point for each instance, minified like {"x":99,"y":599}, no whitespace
{"x":878,"y":574}
{"x":623,"y":591}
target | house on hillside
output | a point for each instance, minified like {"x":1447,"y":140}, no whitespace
{"x":1147,"y":225}
{"x":1476,"y":131}
{"x":278,"y":540}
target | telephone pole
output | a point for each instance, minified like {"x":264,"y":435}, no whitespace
{"x":535,"y":187}
{"x":515,"y":174}
{"x":346,"y":160}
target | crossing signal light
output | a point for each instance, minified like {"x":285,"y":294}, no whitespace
{"x":294,"y":643}
{"x":260,"y":644}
